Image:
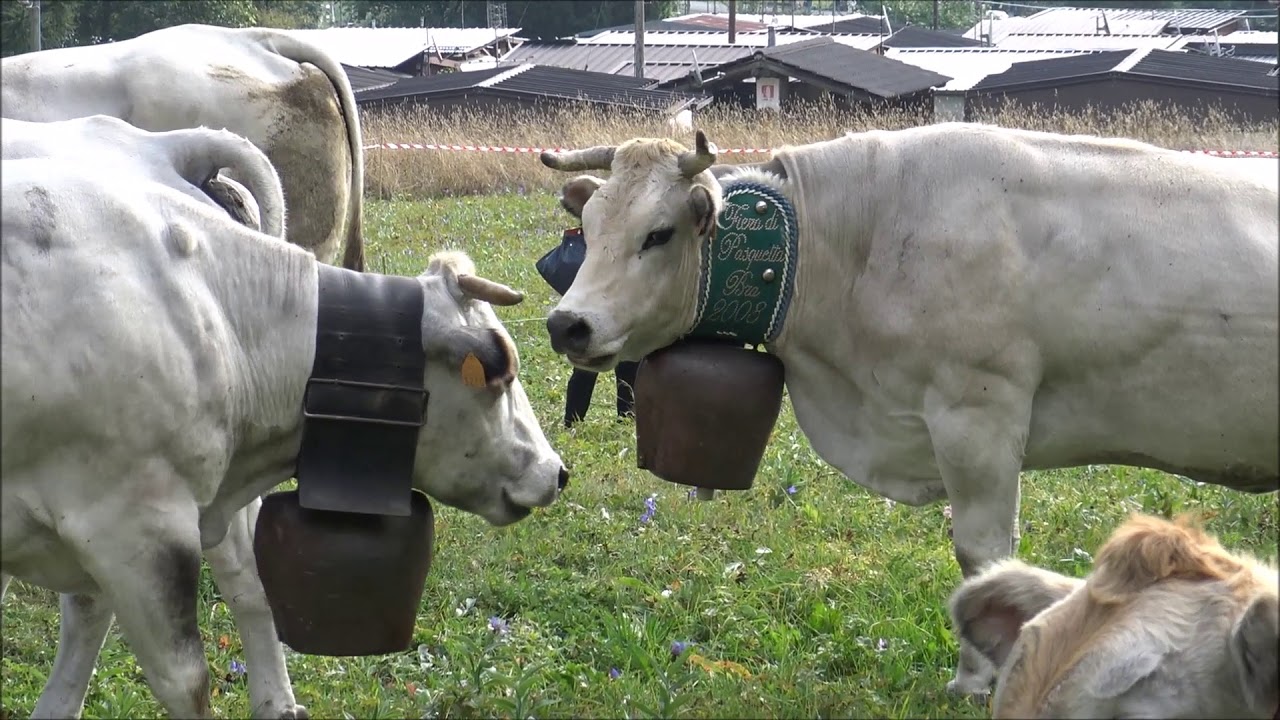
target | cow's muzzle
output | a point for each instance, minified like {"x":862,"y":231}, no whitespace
{"x":570,"y":333}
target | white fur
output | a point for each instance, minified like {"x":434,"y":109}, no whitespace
{"x":149,"y":396}
{"x":181,"y":159}
{"x":284,"y":94}
{"x":974,"y":301}
{"x":680,"y":124}
{"x":1163,"y":653}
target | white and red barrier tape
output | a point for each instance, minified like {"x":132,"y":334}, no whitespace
{"x":722,"y":151}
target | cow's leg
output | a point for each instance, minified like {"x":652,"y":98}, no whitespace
{"x":979,"y":453}
{"x":147,"y":562}
{"x":235,"y":572}
{"x":82,"y":628}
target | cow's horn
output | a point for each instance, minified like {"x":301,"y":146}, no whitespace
{"x":692,"y":163}
{"x":599,"y":157}
{"x":494,"y":293}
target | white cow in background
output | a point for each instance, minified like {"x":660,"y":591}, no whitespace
{"x":284,"y":94}
{"x":1168,"y":625}
{"x":155,"y":354}
{"x":970,"y":302}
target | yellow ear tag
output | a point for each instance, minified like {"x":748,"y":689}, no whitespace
{"x":472,"y":371}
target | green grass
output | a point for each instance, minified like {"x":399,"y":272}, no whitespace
{"x":825,"y":603}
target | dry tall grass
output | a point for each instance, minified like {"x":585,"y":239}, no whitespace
{"x":429,"y":173}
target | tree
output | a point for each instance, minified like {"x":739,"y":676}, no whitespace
{"x":65,"y":23}
{"x":292,"y":13}
{"x":951,"y":13}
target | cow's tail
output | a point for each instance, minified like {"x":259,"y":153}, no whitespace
{"x":300,"y":51}
{"x":199,"y":153}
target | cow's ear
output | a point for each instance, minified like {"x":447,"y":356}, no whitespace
{"x":575,"y":193}
{"x":703,"y":206}
{"x":1254,"y":640}
{"x":481,"y":357}
{"x":989,"y":609}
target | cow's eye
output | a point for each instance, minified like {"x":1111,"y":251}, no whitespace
{"x":658,"y":237}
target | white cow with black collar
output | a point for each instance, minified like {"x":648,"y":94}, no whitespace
{"x":970,"y":302}
{"x":155,"y":354}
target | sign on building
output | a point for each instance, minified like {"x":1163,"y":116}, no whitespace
{"x":767,"y":91}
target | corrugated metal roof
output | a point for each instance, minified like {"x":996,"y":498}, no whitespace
{"x":651,"y":26}
{"x":913,"y":36}
{"x":1252,"y":45}
{"x":816,"y":21}
{"x":865,"y":25}
{"x":536,"y":80}
{"x":1167,"y":65}
{"x":1201,"y":68}
{"x":1068,"y":25}
{"x":853,"y":68}
{"x":1019,"y":41}
{"x":389,"y":47}
{"x":663,"y":59}
{"x":362,"y":79}
{"x":1183,"y":19}
{"x":1046,"y":71}
{"x":1072,"y":20}
{"x":968,"y":66}
{"x":1239,"y":37}
{"x":717,"y":21}
{"x":713,"y":37}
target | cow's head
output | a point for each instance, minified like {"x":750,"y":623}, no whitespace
{"x":636,"y":289}
{"x":482,"y":449}
{"x":1168,"y":625}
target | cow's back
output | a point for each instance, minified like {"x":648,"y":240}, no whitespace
{"x":197,"y":75}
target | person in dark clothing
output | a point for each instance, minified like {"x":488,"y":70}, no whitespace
{"x":559,"y":267}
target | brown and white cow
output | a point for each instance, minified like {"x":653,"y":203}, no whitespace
{"x":1168,"y":625}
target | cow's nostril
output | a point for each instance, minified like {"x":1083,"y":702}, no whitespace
{"x":569,"y":333}
{"x":579,"y":333}
{"x":564,"y":478}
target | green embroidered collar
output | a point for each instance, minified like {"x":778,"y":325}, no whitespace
{"x":748,"y":267}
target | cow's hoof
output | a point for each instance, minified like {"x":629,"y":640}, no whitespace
{"x":973,"y":688}
{"x":285,"y":712}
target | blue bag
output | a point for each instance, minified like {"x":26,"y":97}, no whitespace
{"x":560,"y":265}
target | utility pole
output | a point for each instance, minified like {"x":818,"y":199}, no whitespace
{"x":733,"y":21}
{"x":639,"y":58}
{"x":35,"y":25}
{"x":935,"y":14}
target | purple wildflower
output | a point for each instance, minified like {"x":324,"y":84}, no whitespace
{"x":498,"y":625}
{"x":650,"y":507}
{"x":678,"y":647}
{"x":614,"y":673}
{"x":237,"y":667}
{"x":791,"y":490}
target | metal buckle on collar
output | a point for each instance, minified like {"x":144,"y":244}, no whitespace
{"x":373,"y":418}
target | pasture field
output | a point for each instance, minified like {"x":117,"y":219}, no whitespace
{"x":805,"y":596}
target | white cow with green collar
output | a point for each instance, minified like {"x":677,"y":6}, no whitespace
{"x":969,"y":302}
